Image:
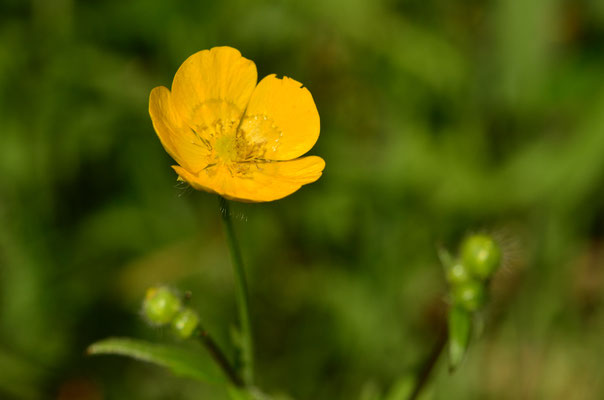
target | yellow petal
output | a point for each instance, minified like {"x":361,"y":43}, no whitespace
{"x":213,"y":86}
{"x":261,"y":181}
{"x":282,"y":117}
{"x":177,"y":137}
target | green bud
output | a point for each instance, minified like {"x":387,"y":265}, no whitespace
{"x":457,"y":274}
{"x":160,"y":305}
{"x":481,"y":255}
{"x":185,"y":323}
{"x":470,"y":295}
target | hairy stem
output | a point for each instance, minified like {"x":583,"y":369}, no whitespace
{"x":247,"y":356}
{"x":220,"y":358}
{"x":429,"y":364}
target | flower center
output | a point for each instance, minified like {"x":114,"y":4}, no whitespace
{"x":237,"y":146}
{"x":226,"y":148}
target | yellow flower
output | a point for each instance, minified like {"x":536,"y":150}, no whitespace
{"x":233,"y":137}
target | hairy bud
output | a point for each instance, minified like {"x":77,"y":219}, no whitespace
{"x":160,"y":305}
{"x":481,"y":255}
{"x":185,"y":322}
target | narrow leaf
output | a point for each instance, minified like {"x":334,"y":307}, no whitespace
{"x":180,"y":360}
{"x":460,"y":326}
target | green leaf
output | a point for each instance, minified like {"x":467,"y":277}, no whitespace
{"x":460,"y":326}
{"x":181,"y":360}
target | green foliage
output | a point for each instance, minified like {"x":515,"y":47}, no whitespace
{"x":178,"y":359}
{"x":460,"y":327}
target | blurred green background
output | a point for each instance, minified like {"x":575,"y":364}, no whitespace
{"x":438,"y":118}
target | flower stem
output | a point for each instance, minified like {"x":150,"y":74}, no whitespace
{"x":428,"y":366}
{"x":247,"y":356}
{"x":219,"y":357}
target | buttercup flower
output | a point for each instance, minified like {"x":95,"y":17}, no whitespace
{"x":233,"y":137}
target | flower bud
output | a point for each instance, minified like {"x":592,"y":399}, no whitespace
{"x":457,"y":274}
{"x":481,"y":255}
{"x":160,"y":305}
{"x":470,"y":295}
{"x":185,"y":323}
